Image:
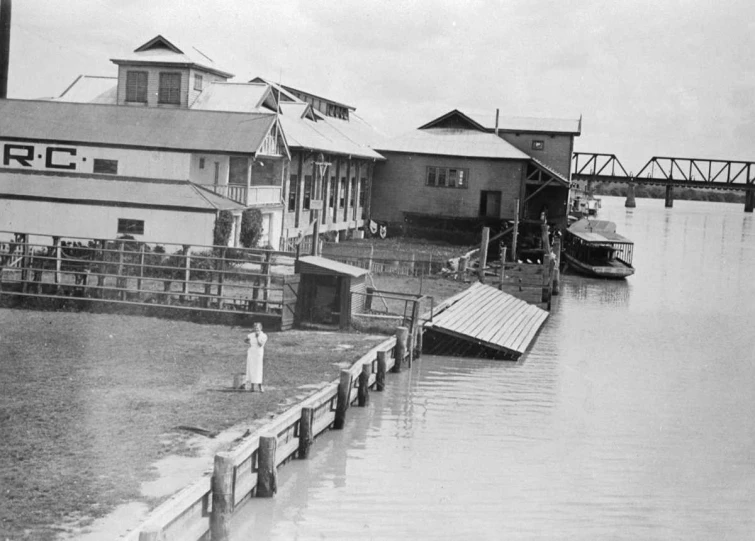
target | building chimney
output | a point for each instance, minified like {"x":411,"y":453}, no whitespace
{"x":497,"y":111}
{"x":4,"y":46}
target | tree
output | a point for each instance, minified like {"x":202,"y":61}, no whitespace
{"x":223,"y":227}
{"x":251,"y":228}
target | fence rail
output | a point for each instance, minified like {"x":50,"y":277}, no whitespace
{"x":134,"y":272}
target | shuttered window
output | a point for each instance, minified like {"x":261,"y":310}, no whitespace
{"x":136,"y":86}
{"x":170,"y":89}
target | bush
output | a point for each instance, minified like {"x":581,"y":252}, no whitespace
{"x":221,"y":235}
{"x":251,"y":228}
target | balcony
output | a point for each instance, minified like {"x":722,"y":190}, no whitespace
{"x":257,"y":196}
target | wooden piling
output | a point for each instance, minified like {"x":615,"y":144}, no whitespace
{"x":483,"y":254}
{"x":344,"y":397}
{"x":515,"y":234}
{"x":267,"y":473}
{"x":402,"y":336}
{"x":363,"y":396}
{"x":503,"y":267}
{"x":368,"y":298}
{"x":382,"y":367}
{"x":463,"y":267}
{"x":306,"y":431}
{"x":222,"y":497}
{"x":556,"y":289}
{"x":418,"y":346}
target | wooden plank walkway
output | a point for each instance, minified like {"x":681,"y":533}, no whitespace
{"x":491,"y":318}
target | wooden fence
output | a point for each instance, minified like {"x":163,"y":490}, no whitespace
{"x":400,"y":267}
{"x":126,"y":271}
{"x":249,"y":470}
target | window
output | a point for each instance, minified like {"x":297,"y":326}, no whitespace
{"x":332,"y":195}
{"x":136,"y":86}
{"x":201,"y":163}
{"x":170,"y":89}
{"x":353,"y":193}
{"x":292,"y":192}
{"x":109,"y":167}
{"x":342,"y":193}
{"x":238,"y":172}
{"x":130,"y":227}
{"x":307,"y":191}
{"x":450,"y":177}
{"x":538,"y":144}
{"x":197,"y":82}
{"x":362,"y":188}
{"x":217,"y":172}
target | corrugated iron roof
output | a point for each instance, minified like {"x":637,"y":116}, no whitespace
{"x":144,"y":193}
{"x":525,"y":124}
{"x":91,"y":89}
{"x":160,"y":50}
{"x":555,"y":174}
{"x":239,"y":97}
{"x":322,"y":136}
{"x":159,"y":128}
{"x":453,"y":142}
{"x":334,"y":266}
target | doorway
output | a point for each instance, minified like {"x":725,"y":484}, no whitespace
{"x":490,"y":204}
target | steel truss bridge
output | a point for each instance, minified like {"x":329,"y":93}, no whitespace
{"x":666,"y":171}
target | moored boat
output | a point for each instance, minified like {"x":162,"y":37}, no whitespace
{"x":593,"y":247}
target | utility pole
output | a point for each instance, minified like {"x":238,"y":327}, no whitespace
{"x":5,"y":9}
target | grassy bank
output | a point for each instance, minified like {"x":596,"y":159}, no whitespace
{"x":89,"y":401}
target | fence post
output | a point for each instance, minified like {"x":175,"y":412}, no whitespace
{"x":25,"y":262}
{"x":503,"y":266}
{"x":402,"y":334}
{"x":58,"y":260}
{"x":267,"y":473}
{"x":266,"y":267}
{"x":306,"y":434}
{"x":120,"y":282}
{"x":382,"y":366}
{"x":412,"y":342}
{"x":222,"y":497}
{"x":363,"y":397}
{"x":344,"y":397}
{"x":368,"y":298}
{"x":141,"y":270}
{"x":483,"y":254}
{"x":221,"y":276}
{"x":187,"y":272}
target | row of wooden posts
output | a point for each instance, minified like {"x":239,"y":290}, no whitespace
{"x":222,"y":483}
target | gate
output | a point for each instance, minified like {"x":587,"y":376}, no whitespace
{"x":290,"y":301}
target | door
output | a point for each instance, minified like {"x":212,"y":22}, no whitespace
{"x":490,"y":204}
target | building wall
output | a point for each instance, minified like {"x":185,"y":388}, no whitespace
{"x":206,"y":174}
{"x":97,"y":222}
{"x":556,"y":151}
{"x":399,"y":186}
{"x":207,"y":79}
{"x":80,"y":159}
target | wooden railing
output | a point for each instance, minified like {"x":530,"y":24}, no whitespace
{"x":137,"y":273}
{"x":255,"y":195}
{"x":195,"y":511}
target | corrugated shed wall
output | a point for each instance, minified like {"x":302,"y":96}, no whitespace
{"x":358,"y":292}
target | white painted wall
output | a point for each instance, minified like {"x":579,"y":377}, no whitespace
{"x":97,"y":222}
{"x":206,"y":175}
{"x":80,"y":159}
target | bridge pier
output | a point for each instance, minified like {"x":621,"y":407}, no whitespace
{"x":749,"y":200}
{"x":669,"y":196}
{"x":630,"y":203}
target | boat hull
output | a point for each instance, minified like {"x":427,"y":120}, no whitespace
{"x":617,"y":270}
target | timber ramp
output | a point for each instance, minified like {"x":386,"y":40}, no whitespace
{"x":483,"y":322}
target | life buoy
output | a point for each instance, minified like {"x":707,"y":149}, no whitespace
{"x":383,"y":231}
{"x":373,"y":227}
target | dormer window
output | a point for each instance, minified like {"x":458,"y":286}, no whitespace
{"x":169,"y":91}
{"x":136,"y":86}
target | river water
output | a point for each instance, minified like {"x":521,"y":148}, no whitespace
{"x":630,"y":418}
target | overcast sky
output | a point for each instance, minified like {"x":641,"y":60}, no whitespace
{"x":650,"y":78}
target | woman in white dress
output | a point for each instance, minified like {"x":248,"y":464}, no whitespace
{"x":254,"y":357}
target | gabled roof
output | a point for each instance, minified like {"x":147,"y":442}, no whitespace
{"x":295,"y":91}
{"x":283,"y":94}
{"x":160,"y":50}
{"x":323,"y":136}
{"x":486,"y":121}
{"x":239,"y":97}
{"x":452,"y":142}
{"x":140,"y":127}
{"x":83,"y":189}
{"x":91,"y":89}
{"x":301,"y":110}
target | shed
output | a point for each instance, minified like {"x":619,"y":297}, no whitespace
{"x":329,"y":291}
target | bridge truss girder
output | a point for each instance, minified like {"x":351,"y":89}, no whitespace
{"x":696,"y":172}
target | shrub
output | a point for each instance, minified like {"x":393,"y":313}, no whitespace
{"x":251,"y":228}
{"x":221,"y":235}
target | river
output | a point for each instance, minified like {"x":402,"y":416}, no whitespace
{"x":630,"y":418}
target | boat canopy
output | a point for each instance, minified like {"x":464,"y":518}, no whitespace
{"x":600,"y":231}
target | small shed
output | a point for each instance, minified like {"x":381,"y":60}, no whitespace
{"x":329,"y":291}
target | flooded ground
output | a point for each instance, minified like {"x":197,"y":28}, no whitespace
{"x":631,"y":417}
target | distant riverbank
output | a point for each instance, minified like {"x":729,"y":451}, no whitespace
{"x":659,"y":192}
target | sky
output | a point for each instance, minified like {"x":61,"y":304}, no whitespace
{"x":650,"y":78}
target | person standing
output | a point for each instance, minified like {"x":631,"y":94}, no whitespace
{"x":254,"y":358}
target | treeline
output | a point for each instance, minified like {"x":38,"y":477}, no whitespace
{"x":659,"y":192}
